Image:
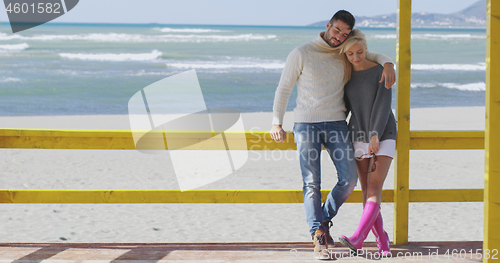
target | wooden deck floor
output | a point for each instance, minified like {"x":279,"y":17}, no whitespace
{"x":229,"y":252}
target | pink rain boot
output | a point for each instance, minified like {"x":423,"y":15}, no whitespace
{"x":370,"y":214}
{"x":383,"y":242}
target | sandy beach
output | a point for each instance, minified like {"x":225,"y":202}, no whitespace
{"x":91,"y":169}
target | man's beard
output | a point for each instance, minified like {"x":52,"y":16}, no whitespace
{"x":330,"y":42}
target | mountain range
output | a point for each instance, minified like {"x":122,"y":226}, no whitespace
{"x":473,"y":16}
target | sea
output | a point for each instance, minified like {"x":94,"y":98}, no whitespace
{"x":94,"y":69}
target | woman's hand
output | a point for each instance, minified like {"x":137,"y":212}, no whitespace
{"x":277,"y":133}
{"x":374,"y":145}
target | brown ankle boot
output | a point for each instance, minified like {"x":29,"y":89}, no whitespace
{"x":320,"y":245}
{"x":329,"y":239}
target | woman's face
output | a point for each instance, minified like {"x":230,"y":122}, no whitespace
{"x":356,"y":54}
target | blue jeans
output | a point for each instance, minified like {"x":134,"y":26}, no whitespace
{"x":310,"y":138}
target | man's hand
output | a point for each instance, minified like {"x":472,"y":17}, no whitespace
{"x":277,"y":133}
{"x":389,"y":75}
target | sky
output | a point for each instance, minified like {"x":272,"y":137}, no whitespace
{"x":238,"y":12}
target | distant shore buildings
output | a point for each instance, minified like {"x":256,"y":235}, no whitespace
{"x":473,"y":16}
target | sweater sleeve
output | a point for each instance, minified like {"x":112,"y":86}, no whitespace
{"x":347,"y":104}
{"x":291,"y":72}
{"x":379,"y":58}
{"x":381,"y":110}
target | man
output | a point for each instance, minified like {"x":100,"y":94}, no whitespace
{"x":320,"y":117}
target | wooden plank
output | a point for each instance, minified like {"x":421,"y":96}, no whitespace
{"x":123,"y":140}
{"x":165,"y":196}
{"x":492,"y":133}
{"x":402,"y":156}
{"x":446,"y":140}
{"x":252,"y":140}
{"x":217,"y":196}
{"x":446,"y":195}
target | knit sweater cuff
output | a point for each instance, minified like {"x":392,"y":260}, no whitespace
{"x":319,"y":116}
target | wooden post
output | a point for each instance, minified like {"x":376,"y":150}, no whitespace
{"x":402,"y":157}
{"x":491,"y":244}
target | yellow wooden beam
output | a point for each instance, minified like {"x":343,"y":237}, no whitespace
{"x":492,"y":134}
{"x":215,"y":196}
{"x":402,"y":156}
{"x":165,"y":196}
{"x":66,"y":139}
{"x":123,"y":140}
{"x":255,"y":140}
{"x":150,"y":196}
{"x":446,"y":140}
{"x":446,"y":195}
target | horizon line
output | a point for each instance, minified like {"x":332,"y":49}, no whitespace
{"x":221,"y":25}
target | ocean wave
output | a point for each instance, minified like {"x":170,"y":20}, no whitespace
{"x":155,"y":54}
{"x":478,"y":86}
{"x":15,"y":47}
{"x":432,"y":36}
{"x":446,"y":36}
{"x":115,"y":37}
{"x":4,"y":36}
{"x":228,"y":65}
{"x":385,"y":36}
{"x":214,"y":38}
{"x":143,"y":72}
{"x":9,"y":80}
{"x":188,"y":30}
{"x":464,"y":67}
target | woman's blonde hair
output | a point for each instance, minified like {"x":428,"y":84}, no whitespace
{"x":356,"y":37}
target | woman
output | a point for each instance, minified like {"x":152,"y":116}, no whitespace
{"x":373,"y":129}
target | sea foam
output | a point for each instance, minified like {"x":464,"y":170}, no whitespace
{"x":14,"y":47}
{"x":432,"y":36}
{"x":478,"y":86}
{"x":115,"y":37}
{"x":464,"y":67}
{"x":155,"y":54}
{"x":10,"y":80}
{"x":228,"y":65}
{"x":188,"y":30}
{"x":447,"y":36}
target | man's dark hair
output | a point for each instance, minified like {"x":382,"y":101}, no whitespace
{"x":344,"y":16}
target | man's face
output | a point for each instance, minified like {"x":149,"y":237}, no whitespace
{"x":336,"y":33}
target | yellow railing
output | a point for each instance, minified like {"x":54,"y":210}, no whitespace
{"x":407,"y":140}
{"x":257,"y":140}
{"x":215,"y":196}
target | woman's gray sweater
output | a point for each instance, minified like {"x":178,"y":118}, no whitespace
{"x":370,"y":105}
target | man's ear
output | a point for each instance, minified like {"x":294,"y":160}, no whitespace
{"x":328,"y":25}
